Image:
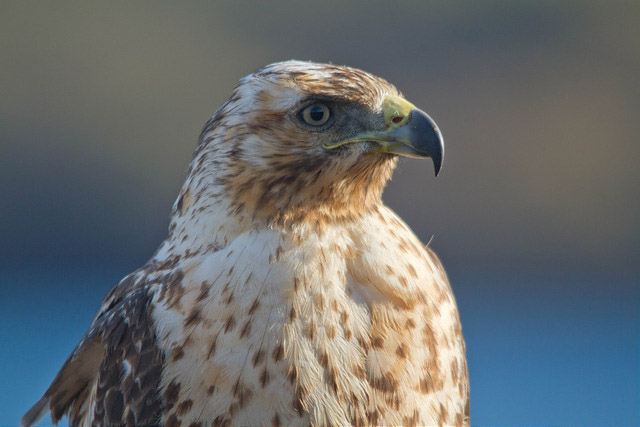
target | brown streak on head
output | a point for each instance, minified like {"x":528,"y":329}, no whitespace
{"x":269,"y":167}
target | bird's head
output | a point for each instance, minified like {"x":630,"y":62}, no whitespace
{"x":298,"y":138}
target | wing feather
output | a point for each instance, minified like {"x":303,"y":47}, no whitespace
{"x":113,"y":374}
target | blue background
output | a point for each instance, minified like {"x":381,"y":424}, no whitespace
{"x":536,"y":214}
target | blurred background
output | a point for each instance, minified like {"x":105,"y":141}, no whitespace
{"x":536,"y":214}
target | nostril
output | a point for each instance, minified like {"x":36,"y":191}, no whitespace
{"x":397,"y":119}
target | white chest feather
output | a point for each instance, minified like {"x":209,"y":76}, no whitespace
{"x":348,"y":326}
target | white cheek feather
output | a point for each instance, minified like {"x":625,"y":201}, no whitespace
{"x":284,"y":99}
{"x":263,"y":94}
{"x":253,"y":148}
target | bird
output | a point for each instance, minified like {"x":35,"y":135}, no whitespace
{"x":286,"y":292}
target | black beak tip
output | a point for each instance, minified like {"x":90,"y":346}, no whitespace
{"x":437,"y":165}
{"x":428,"y":138}
{"x":437,"y":154}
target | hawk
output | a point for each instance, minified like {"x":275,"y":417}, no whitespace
{"x":286,"y":292}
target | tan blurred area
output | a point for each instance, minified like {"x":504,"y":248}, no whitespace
{"x":101,"y":105}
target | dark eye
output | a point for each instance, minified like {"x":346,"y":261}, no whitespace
{"x":316,"y":114}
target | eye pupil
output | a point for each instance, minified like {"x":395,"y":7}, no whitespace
{"x":316,"y":114}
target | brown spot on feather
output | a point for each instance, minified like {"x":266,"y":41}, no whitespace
{"x":204,"y":292}
{"x":230,"y":323}
{"x":184,"y":406}
{"x":265,"y":377}
{"x":194,"y":316}
{"x":258,"y":357}
{"x":377,"y":342}
{"x":401,"y":352}
{"x":173,"y":421}
{"x":177,"y":353}
{"x":278,"y":353}
{"x":246,"y":329}
{"x":254,"y":306}
{"x":384,"y":383}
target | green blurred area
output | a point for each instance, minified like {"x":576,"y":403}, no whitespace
{"x":101,"y":105}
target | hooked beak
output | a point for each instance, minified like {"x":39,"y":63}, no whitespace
{"x":409,"y":132}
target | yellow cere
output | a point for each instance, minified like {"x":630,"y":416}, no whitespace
{"x":394,"y":106}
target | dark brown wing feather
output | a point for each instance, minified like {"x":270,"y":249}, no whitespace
{"x":128,"y":384}
{"x":119,"y":354}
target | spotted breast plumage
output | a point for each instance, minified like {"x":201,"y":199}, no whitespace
{"x":286,"y":292}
